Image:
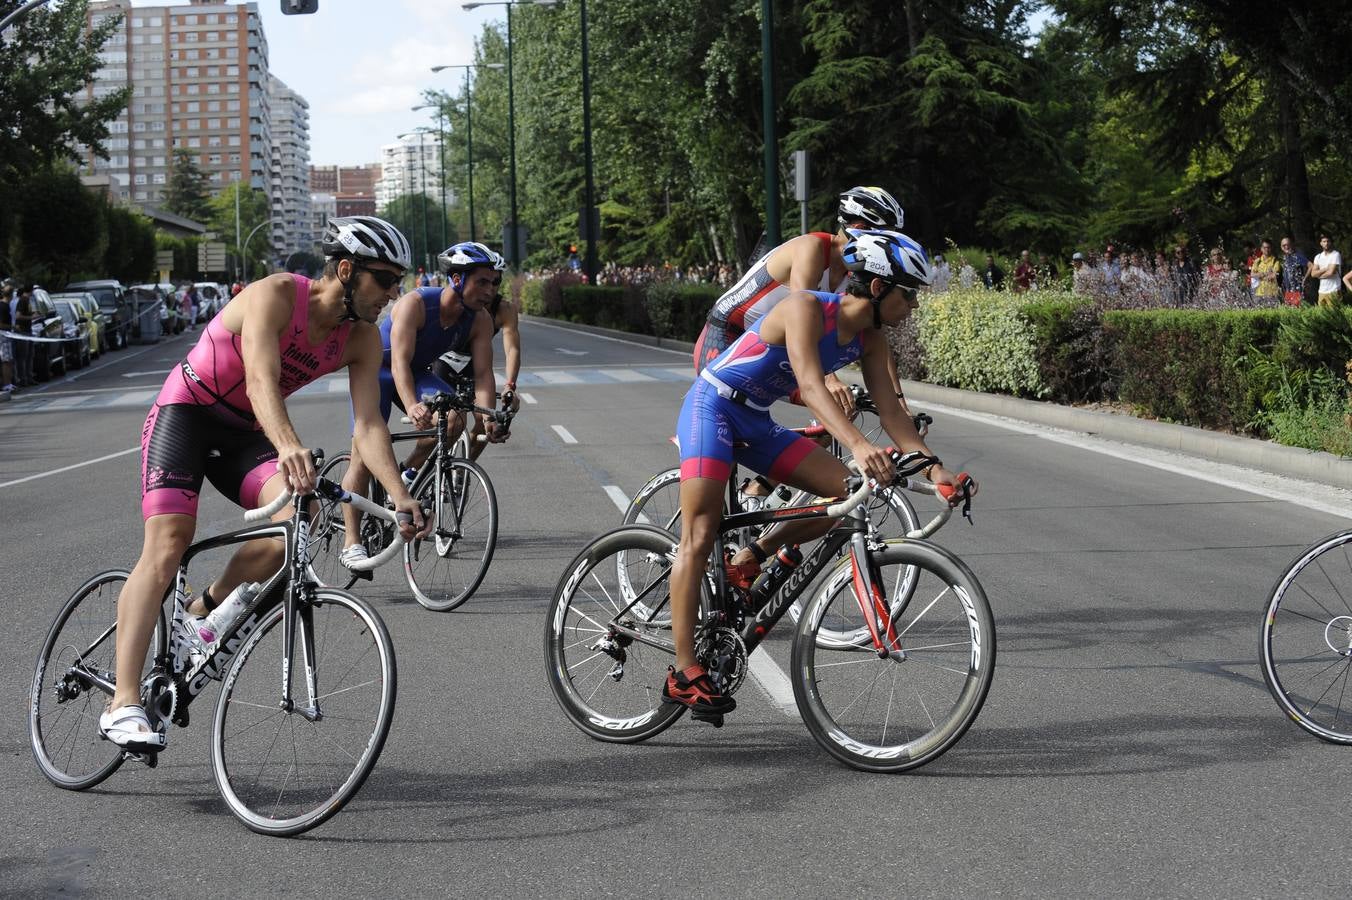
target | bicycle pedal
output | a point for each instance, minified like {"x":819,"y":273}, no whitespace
{"x":714,"y":719}
{"x":363,"y":576}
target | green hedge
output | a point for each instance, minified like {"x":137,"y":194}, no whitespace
{"x":1067,"y":339}
{"x":981,"y":341}
{"x":1191,"y":366}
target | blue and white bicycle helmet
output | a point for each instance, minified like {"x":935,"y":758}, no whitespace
{"x":366,"y":237}
{"x":889,"y":255}
{"x":468,"y":255}
{"x":872,"y":205}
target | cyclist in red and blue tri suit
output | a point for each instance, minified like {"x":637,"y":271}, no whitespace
{"x":221,"y":415}
{"x":425,"y":325}
{"x":806,"y":335}
{"x":808,"y":262}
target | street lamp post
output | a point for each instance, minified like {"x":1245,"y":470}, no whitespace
{"x":511,"y":112}
{"x":469,"y":131}
{"x":244,"y":260}
{"x":441,"y":161}
{"x":422,"y":205}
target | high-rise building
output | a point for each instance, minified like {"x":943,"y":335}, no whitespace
{"x":323,"y":207}
{"x":353,"y":187}
{"x":199,"y":78}
{"x":411,"y":166}
{"x":290,"y":175}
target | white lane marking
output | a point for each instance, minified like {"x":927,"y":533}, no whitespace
{"x":526,"y":398}
{"x":627,"y":375}
{"x":620,"y":499}
{"x":142,"y":374}
{"x":684,"y":372}
{"x":1253,"y":481}
{"x":564,"y":434}
{"x":770,"y":678}
{"x":553,"y":376}
{"x":567,"y":352}
{"x":534,"y":323}
{"x":78,"y":465}
{"x":123,"y":356}
{"x":64,"y":402}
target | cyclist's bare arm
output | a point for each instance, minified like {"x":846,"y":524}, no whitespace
{"x":262,"y":317}
{"x":370,"y":435}
{"x":806,"y":266}
{"x":406,"y":318}
{"x":481,"y":352}
{"x":511,"y":341}
{"x":896,"y":421}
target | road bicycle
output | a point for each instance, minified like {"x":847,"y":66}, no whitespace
{"x":900,"y":683}
{"x":445,"y":568}
{"x":1305,"y":643}
{"x":307,"y":682}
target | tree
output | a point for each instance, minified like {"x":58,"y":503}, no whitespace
{"x":130,"y":256}
{"x":188,"y":192}
{"x":61,"y":226}
{"x":219,"y":216}
{"x":419,"y":218}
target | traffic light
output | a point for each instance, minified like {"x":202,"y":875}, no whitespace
{"x":299,"y":7}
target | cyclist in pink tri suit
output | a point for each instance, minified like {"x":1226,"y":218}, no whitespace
{"x":791,"y":348}
{"x":809,"y":262}
{"x":221,"y":415}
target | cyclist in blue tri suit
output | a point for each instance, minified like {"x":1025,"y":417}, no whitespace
{"x":423,"y":325}
{"x":806,"y":335}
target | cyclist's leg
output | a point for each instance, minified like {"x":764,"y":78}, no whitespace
{"x":800,"y":463}
{"x":138,"y":605}
{"x":357,"y":477}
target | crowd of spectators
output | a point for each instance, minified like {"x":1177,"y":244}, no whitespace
{"x":716,"y":274}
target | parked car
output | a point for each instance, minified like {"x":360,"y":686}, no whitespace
{"x":76,"y":347}
{"x":47,"y":357}
{"x":111,"y":297}
{"x":87,"y":309}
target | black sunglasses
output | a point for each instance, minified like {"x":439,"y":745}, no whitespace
{"x":383,"y":277}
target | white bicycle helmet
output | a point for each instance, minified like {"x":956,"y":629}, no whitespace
{"x":469,"y":255}
{"x":366,"y":237}
{"x":889,"y":255}
{"x":872,"y":205}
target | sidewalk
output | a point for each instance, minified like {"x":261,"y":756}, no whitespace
{"x":1309,"y":465}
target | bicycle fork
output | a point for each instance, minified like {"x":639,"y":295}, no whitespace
{"x":866,"y":579}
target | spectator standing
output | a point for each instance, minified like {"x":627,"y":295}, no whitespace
{"x":994,"y":276}
{"x":1023,"y":273}
{"x":966,"y":274}
{"x":23,"y":349}
{"x":943,"y":275}
{"x":1185,"y":277}
{"x":1264,"y":274}
{"x":1079,"y":274}
{"x":189,"y":305}
{"x":1328,"y":268}
{"x":1044,"y":276}
{"x":6,"y":345}
{"x":1295,"y":269}
{"x":424,"y":280}
{"x":1138,"y":283}
{"x":1112,"y":272}
{"x":1216,"y":277}
{"x":1251,"y":284}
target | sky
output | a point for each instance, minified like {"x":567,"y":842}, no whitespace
{"x":362,"y":65}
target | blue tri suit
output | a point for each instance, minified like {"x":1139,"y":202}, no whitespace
{"x":731,"y":398}
{"x":432,"y":340}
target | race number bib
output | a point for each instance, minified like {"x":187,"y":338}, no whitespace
{"x":456,"y":362}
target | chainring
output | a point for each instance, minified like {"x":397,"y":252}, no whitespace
{"x":721,"y":651}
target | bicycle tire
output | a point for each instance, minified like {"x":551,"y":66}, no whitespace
{"x":947,"y":634}
{"x":583,"y":678}
{"x":445,"y":568}
{"x":326,"y":775}
{"x":63,"y":710}
{"x":1305,"y":642}
{"x":328,"y":535}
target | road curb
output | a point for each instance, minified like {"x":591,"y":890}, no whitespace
{"x":1267,"y":456}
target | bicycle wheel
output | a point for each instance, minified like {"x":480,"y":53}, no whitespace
{"x":63,"y":711}
{"x":1306,"y":641}
{"x":283,"y":771}
{"x":446,"y":567}
{"x":901,"y":711}
{"x":658,"y":502}
{"x":327,"y":535}
{"x":609,"y":683}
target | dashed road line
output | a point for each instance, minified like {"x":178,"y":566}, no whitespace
{"x":564,"y":434}
{"x":620,"y":499}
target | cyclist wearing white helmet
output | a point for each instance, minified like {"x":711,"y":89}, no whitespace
{"x":426,"y":325}
{"x":806,"y":335}
{"x":222,"y":415}
{"x":808,"y":262}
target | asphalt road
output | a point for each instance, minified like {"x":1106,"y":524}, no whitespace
{"x":1128,"y":746}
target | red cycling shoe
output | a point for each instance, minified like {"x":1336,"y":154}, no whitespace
{"x":693,"y":688}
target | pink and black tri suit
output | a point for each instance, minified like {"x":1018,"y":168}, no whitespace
{"x":731,"y":398}
{"x":747,"y":302}
{"x":203,"y":424}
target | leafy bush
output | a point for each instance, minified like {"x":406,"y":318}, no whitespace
{"x":1068,"y":336}
{"x":607,"y":307}
{"x":904,"y":342}
{"x":679,"y":311}
{"x":532,"y":297}
{"x":1191,"y":366}
{"x":980,"y":341}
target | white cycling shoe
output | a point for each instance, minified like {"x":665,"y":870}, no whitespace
{"x":128,"y":728}
{"x":353,"y":554}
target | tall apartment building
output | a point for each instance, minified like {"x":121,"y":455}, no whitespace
{"x":411,"y":166}
{"x":290,"y":171}
{"x":353,"y":187}
{"x":323,"y":206}
{"x":199,"y":78}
